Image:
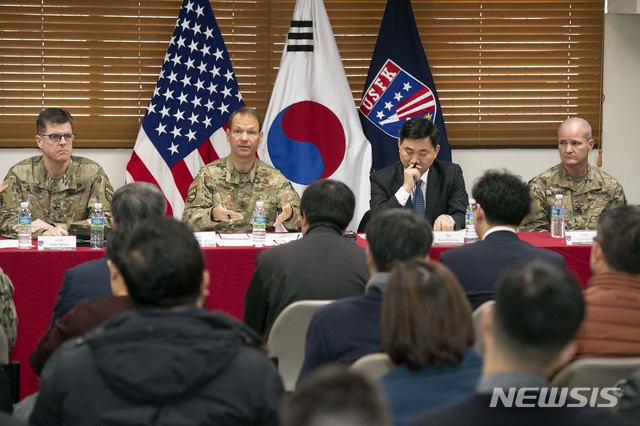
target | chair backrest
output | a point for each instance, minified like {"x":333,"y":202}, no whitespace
{"x":373,"y":365}
{"x":478,"y":344}
{"x":595,"y":372}
{"x":287,"y":339}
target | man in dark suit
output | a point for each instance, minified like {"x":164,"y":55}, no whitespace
{"x":502,"y":201}
{"x":527,"y":336}
{"x":131,"y":204}
{"x":433,"y":188}
{"x":348,"y":329}
{"x":323,"y":265}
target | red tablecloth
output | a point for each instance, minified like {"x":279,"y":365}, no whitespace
{"x":37,"y":276}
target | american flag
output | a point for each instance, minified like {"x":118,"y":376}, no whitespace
{"x":184,"y":126}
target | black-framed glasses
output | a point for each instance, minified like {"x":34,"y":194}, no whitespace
{"x":57,"y":137}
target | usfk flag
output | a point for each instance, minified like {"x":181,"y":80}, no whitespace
{"x":184,"y":127}
{"x":399,"y":86}
{"x":312,"y":130}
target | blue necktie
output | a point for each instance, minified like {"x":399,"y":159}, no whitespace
{"x":418,"y":199}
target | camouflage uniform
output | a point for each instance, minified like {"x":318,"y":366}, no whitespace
{"x":8,"y":317}
{"x":58,"y":201}
{"x":585,"y":198}
{"x":218,"y":179}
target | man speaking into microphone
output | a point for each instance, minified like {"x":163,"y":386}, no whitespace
{"x":434,"y":189}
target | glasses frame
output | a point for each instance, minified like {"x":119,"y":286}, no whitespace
{"x":60,"y":136}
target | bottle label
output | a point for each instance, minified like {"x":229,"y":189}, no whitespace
{"x":97,"y":222}
{"x":469,"y":217}
{"x":24,"y":221}
{"x":260,"y":220}
{"x":557,"y":211}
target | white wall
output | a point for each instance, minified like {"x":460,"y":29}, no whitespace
{"x":620,"y":135}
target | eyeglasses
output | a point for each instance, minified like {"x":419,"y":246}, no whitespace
{"x":57,"y":137}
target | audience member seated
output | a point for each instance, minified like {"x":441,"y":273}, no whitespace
{"x":432,"y":188}
{"x":166,"y":361}
{"x":588,"y":191}
{"x":528,"y":335}
{"x":86,"y":315}
{"x":89,"y":281}
{"x":348,"y":329}
{"x":427,"y":332}
{"x":60,"y":187}
{"x":502,"y":201}
{"x":224,"y":193}
{"x":611,"y":327}
{"x":335,"y":396}
{"x":8,"y":316}
{"x":323,"y":265}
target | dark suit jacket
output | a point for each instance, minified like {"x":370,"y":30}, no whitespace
{"x":88,"y":281}
{"x":446,"y":193}
{"x":343,"y":331}
{"x":479,"y":265}
{"x":323,"y":265}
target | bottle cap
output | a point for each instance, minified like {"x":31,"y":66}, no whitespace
{"x":259,"y":203}
{"x":24,"y":205}
{"x":97,"y":206}
{"x":472,"y":200}
{"x":558,"y":196}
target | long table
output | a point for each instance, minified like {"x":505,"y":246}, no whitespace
{"x":37,"y":276}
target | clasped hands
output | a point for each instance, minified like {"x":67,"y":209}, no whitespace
{"x":52,"y":230}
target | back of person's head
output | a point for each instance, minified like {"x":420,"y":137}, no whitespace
{"x":504,"y":197}
{"x":136,"y":202}
{"x":398,"y":234}
{"x":619,"y":238}
{"x":426,"y":317}
{"x":52,"y":116}
{"x":420,"y":128}
{"x":335,"y":396}
{"x":161,"y":263}
{"x":330,"y":201}
{"x":539,"y":307}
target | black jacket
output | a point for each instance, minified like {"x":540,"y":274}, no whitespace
{"x":142,"y":368}
{"x":446,"y":193}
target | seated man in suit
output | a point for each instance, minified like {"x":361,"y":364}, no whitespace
{"x":167,"y":361}
{"x":434,"y":189}
{"x":131,"y":204}
{"x":502,"y":201}
{"x":527,"y":336}
{"x":348,"y":329}
{"x":323,"y":265}
{"x":611,"y":327}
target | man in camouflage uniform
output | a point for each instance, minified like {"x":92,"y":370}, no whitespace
{"x":588,"y":191}
{"x":60,"y":188}
{"x":8,"y":317}
{"x":223,"y":195}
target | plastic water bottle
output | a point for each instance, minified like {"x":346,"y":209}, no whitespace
{"x":557,"y":218}
{"x":259,"y":225}
{"x":470,"y":235}
{"x":97,"y":227}
{"x":24,"y":226}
